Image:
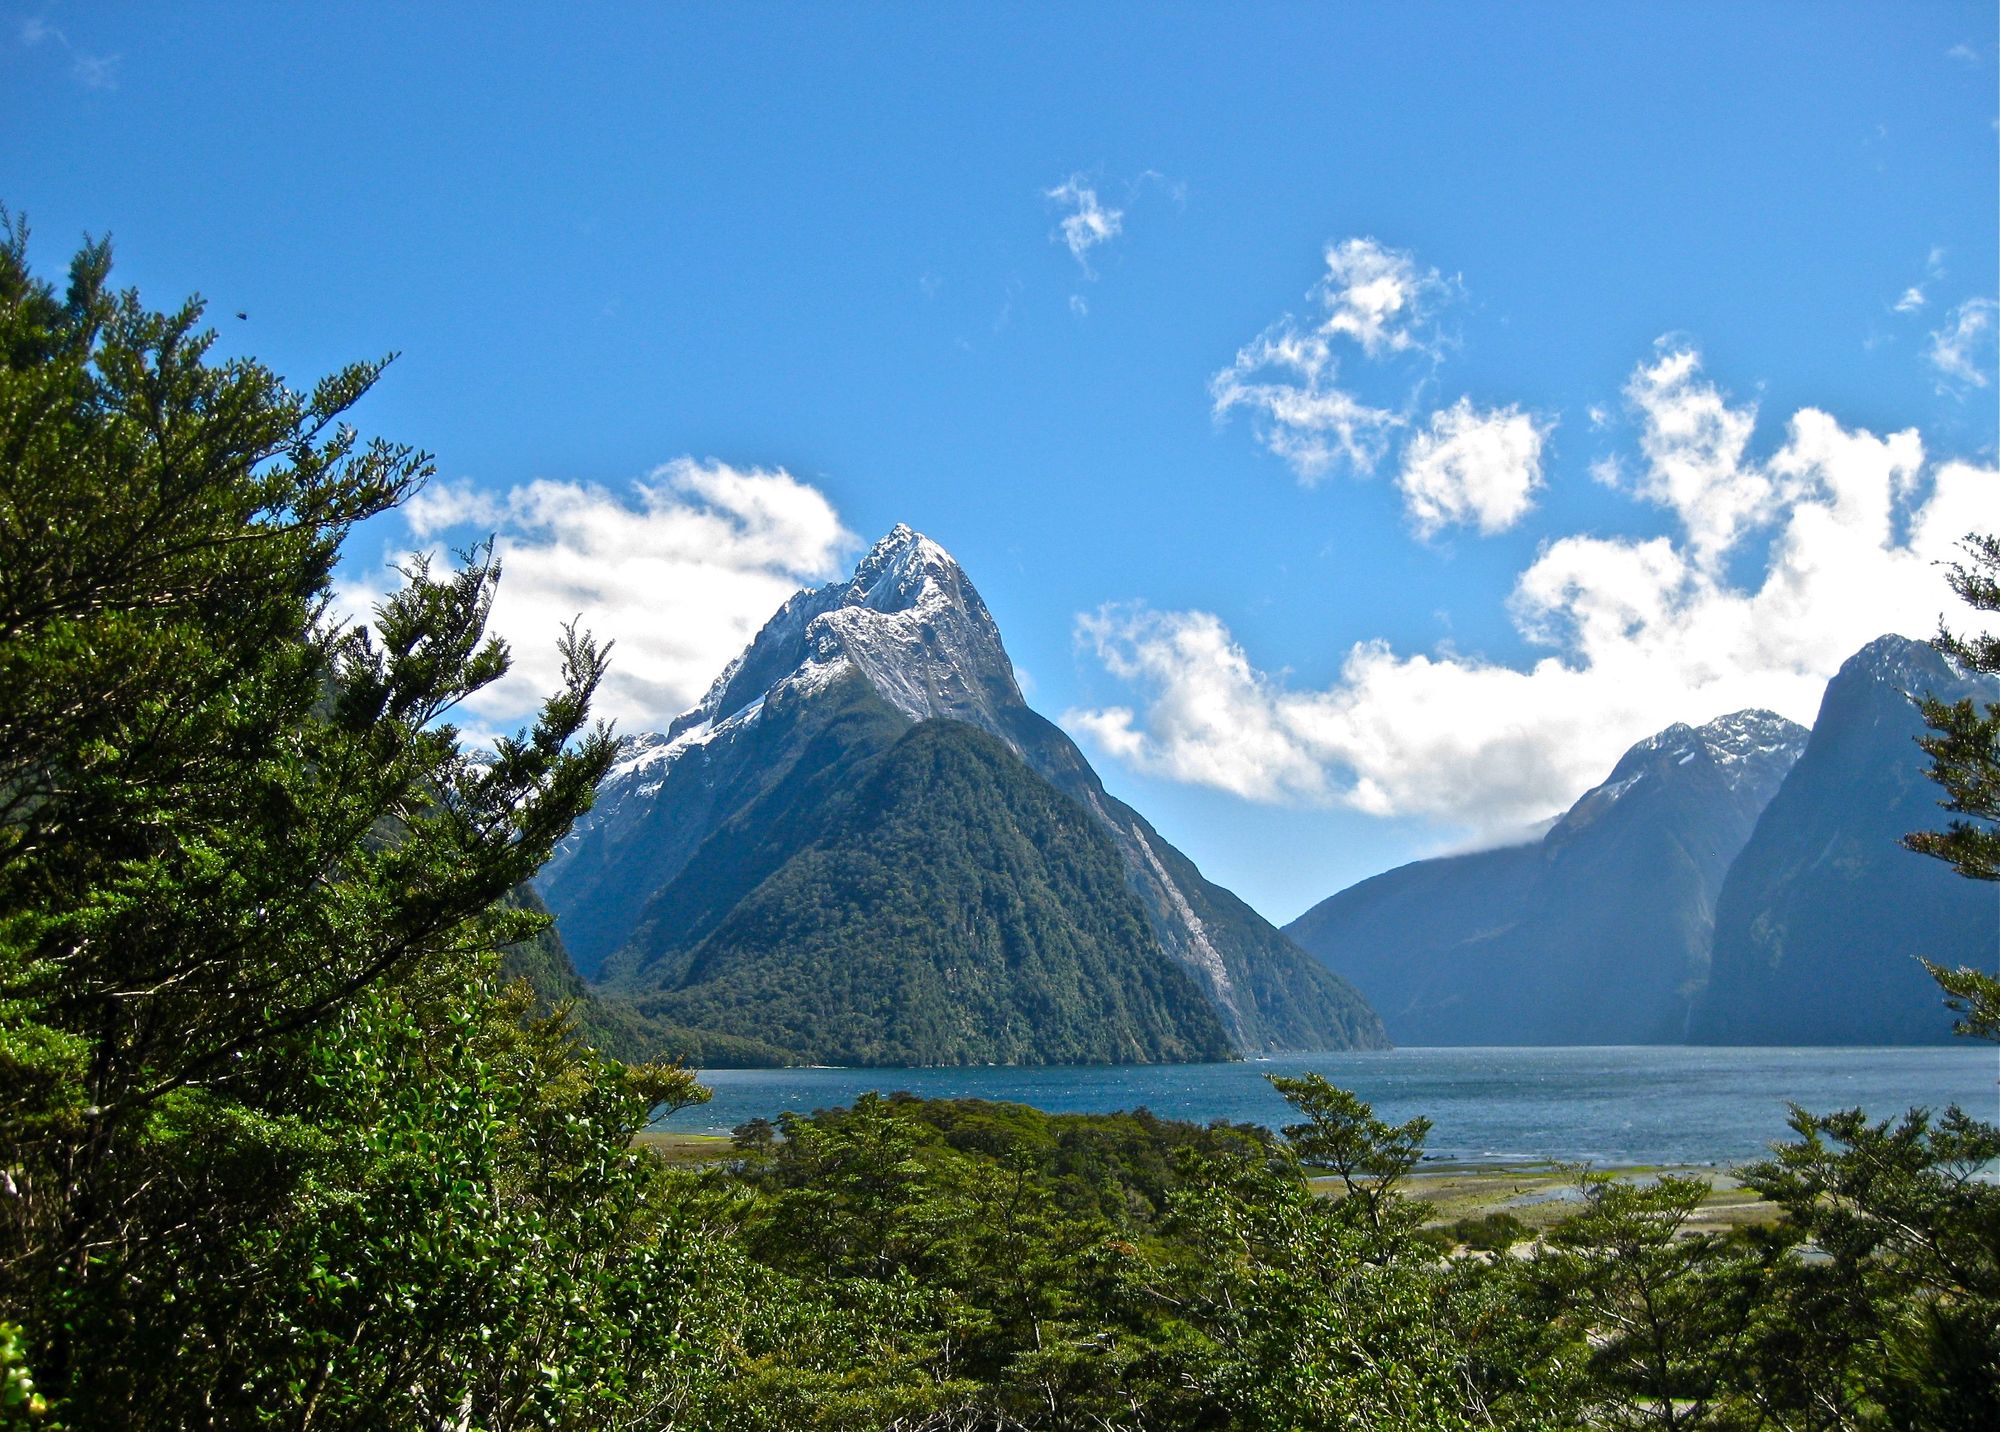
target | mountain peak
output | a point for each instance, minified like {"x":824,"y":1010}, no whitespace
{"x":1752,"y":736}
{"x":764,"y":763}
{"x":900,"y":570}
{"x":1750,"y":750}
{"x":1912,"y":667}
{"x":908,"y":620}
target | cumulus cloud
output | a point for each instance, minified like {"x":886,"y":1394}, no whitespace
{"x":679,"y":571}
{"x":1637,"y":633}
{"x":1377,"y":299}
{"x":1694,"y":443}
{"x":1473,"y":467}
{"x":1089,"y":222}
{"x":1213,"y":719}
{"x":1962,"y":350}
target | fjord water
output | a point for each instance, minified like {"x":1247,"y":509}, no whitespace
{"x":1646,"y":1104}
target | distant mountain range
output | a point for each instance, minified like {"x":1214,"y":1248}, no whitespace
{"x":1739,"y":882}
{"x":1598,"y":933}
{"x":862,"y":847}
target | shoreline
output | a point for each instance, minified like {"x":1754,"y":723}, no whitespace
{"x":1539,"y":1192}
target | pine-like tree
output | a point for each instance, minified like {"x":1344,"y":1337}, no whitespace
{"x":274,"y":1142}
{"x":1964,"y":747}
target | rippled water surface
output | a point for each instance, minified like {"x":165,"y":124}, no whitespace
{"x":1624,"y":1105}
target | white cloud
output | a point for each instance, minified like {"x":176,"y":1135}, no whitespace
{"x":1638,"y":633}
{"x":1089,"y":222}
{"x":1379,"y":297}
{"x":1373,"y":297}
{"x":680,"y":572}
{"x":1474,"y":467}
{"x":1917,"y":296}
{"x":1962,"y":350}
{"x":1212,"y":721}
{"x":1694,"y":443}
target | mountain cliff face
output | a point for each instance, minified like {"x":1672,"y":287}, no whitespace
{"x":1820,"y":923}
{"x":1598,"y":933}
{"x":735,"y":872}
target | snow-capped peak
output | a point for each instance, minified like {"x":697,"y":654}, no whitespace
{"x":908,"y":620}
{"x":900,"y":571}
{"x":1750,"y":751}
{"x":1753,"y":735}
{"x":1912,"y":667}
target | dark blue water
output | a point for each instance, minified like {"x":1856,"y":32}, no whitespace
{"x":1623,"y":1105}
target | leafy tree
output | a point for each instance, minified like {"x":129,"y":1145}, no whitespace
{"x":1965,"y":759}
{"x":1659,"y":1307}
{"x":275,"y":1137}
{"x":1292,"y":1310}
{"x":1341,"y":1133}
{"x":1895,"y":1319}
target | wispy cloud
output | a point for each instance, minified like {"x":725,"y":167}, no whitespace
{"x":1380,"y":297}
{"x":1962,"y":350}
{"x":680,"y":570}
{"x":99,"y":72}
{"x":1848,"y":527}
{"x":1089,"y":221}
{"x":1372,"y":298}
{"x":1913,"y":298}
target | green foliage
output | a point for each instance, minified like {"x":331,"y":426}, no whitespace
{"x":1964,"y":748}
{"x":1488,"y":1233}
{"x":277,"y":1144}
{"x":1660,"y":1308}
{"x":1342,"y":1134}
{"x":1897,"y":1313}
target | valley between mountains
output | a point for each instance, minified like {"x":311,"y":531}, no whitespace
{"x":862,"y":847}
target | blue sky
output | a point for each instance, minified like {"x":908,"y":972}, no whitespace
{"x":1459,"y":392}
